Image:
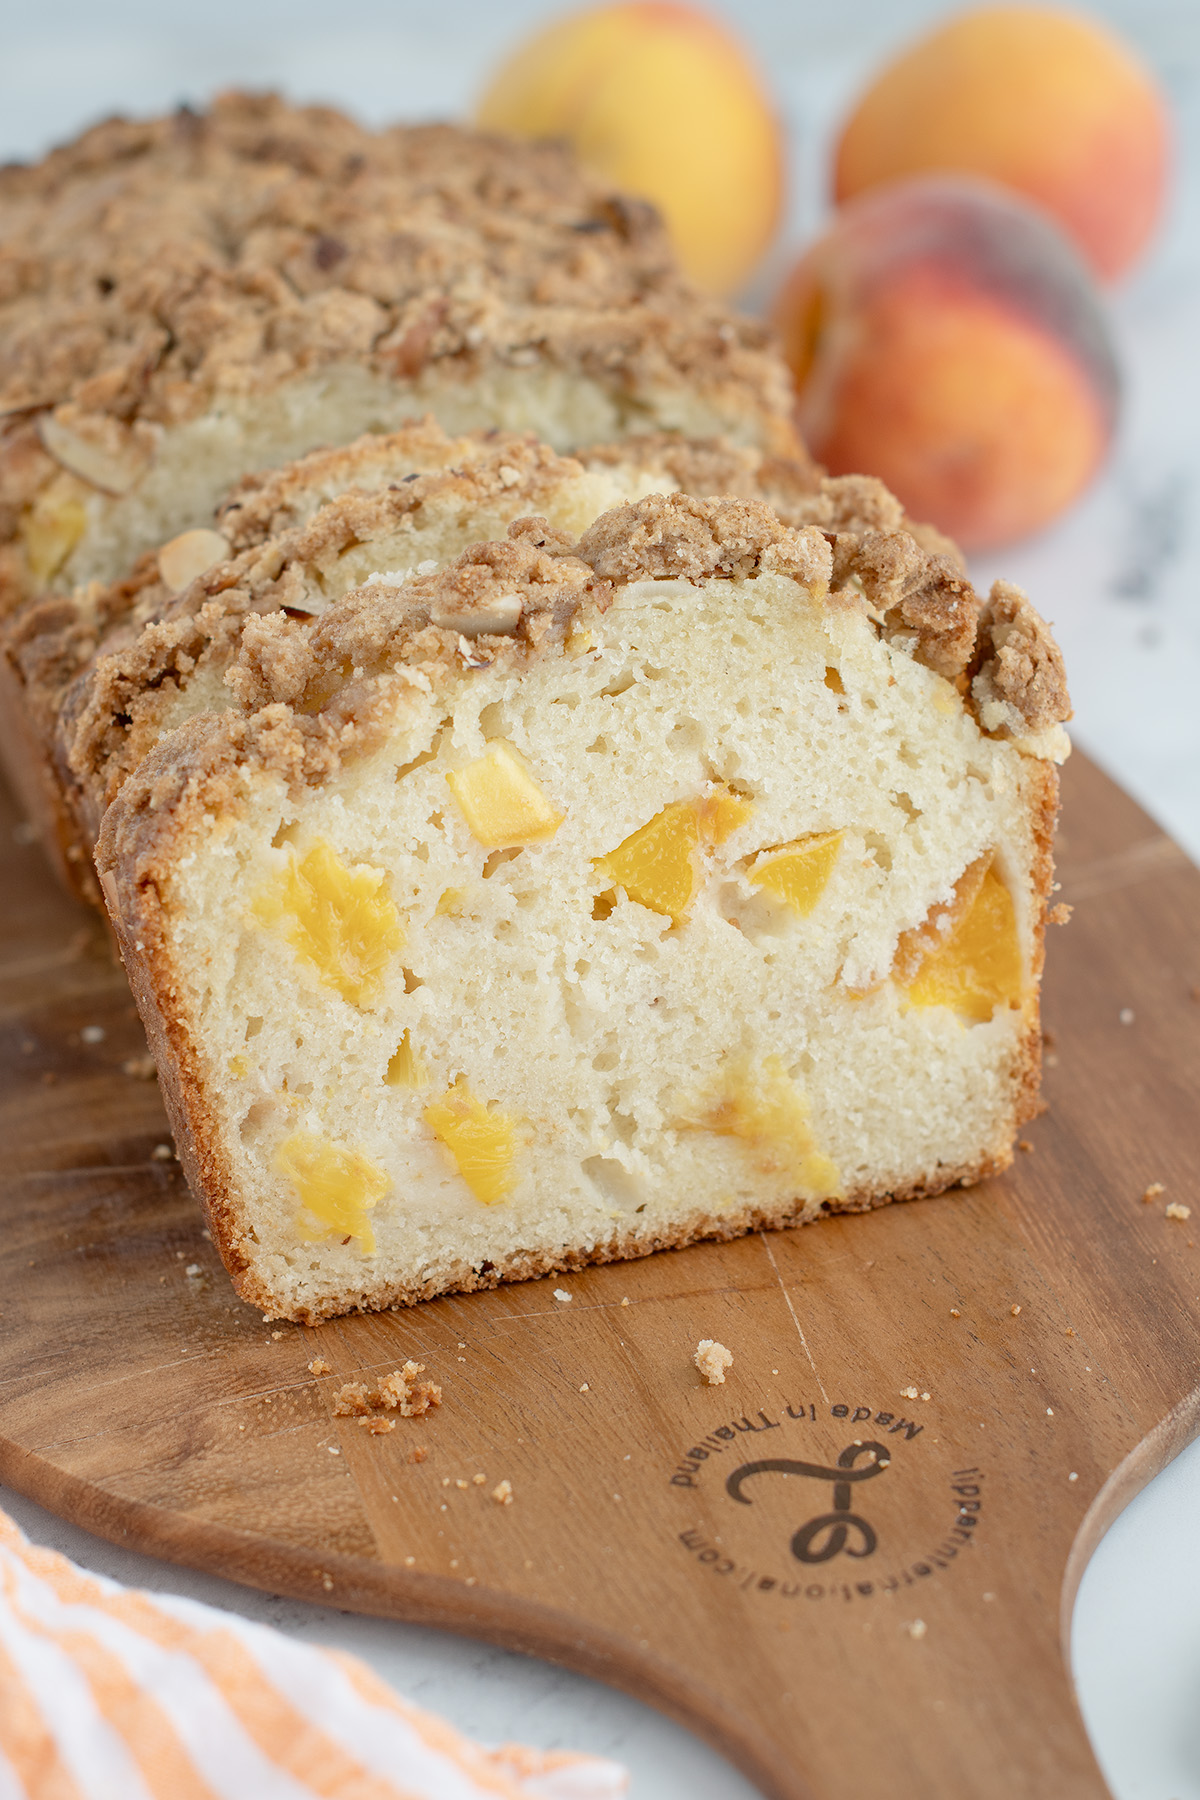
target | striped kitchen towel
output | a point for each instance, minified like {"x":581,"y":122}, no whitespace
{"x":109,"y":1693}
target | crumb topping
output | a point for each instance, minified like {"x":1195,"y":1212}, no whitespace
{"x":247,"y":621}
{"x":150,"y":265}
{"x":671,"y":536}
{"x":1020,"y":665}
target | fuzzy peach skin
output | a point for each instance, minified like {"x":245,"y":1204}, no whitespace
{"x":660,"y":100}
{"x":1049,"y":103}
{"x":946,"y":338}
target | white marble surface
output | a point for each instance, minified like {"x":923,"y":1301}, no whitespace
{"x":1120,"y":577}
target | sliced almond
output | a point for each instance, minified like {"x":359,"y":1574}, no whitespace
{"x":97,"y":447}
{"x":189,"y":555}
{"x":496,"y":619}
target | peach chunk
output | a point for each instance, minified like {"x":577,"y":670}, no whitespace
{"x":339,"y":920}
{"x":663,"y":102}
{"x":1050,"y":104}
{"x":481,"y":1142}
{"x":337,"y":1186}
{"x":978,"y":966}
{"x":797,"y":873}
{"x":946,"y":338}
{"x":656,"y":864}
{"x":766,"y":1109}
{"x":500,"y":801}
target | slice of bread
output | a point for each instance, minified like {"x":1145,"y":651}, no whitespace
{"x":97,"y":675}
{"x":191,"y":297}
{"x":575,"y":900}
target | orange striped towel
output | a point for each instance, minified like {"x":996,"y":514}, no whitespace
{"x":108,"y":1693}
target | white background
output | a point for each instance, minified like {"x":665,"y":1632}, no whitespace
{"x":1120,"y":577}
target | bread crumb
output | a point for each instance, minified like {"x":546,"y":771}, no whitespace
{"x":910,"y":1393}
{"x":375,"y":1425}
{"x":327,"y":1583}
{"x":350,"y":1400}
{"x":460,"y":1483}
{"x":402,"y":1392}
{"x":1072,"y":1476}
{"x":410,"y":1562}
{"x":712,"y":1360}
{"x":333,"y":1450}
{"x":275,"y":1335}
{"x":954,"y":1313}
{"x":562,"y":1295}
{"x":162,"y":1153}
{"x":1058,"y":915}
{"x":625,"y":1300}
{"x":584,"y":1388}
{"x":1069,"y":1332}
{"x":917,"y":1628}
{"x":1176,"y":1211}
{"x":1014,"y":1310}
{"x":141,"y":1068}
{"x":1024,"y":1144}
{"x":92,"y":1034}
{"x":479,"y":1480}
{"x":318,"y":1366}
{"x":502,"y":1493}
{"x":419,"y":1453}
{"x":1152,"y":1192}
{"x":927,"y":1396}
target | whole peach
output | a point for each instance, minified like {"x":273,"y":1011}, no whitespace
{"x":947,"y":338}
{"x":661,"y":101}
{"x":1046,"y":102}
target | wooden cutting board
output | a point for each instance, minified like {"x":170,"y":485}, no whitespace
{"x":1024,"y":1357}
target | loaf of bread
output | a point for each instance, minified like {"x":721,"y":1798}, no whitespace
{"x":186,"y":299}
{"x":96,"y":674}
{"x":578,"y":898}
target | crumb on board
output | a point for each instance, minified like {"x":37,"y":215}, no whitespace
{"x":401,"y":1392}
{"x":562,"y":1296}
{"x":398,"y":1392}
{"x":140,"y":1068}
{"x":502,"y":1493}
{"x":1024,"y":1144}
{"x":954,"y":1313}
{"x":376,"y":1425}
{"x":162,"y":1153}
{"x":1058,"y":915}
{"x":1152,"y":1192}
{"x":275,"y":1336}
{"x":419,"y":1453}
{"x":712,"y":1360}
{"x":1176,"y":1211}
{"x":584,"y":1388}
{"x":917,"y":1628}
{"x":910,"y":1393}
{"x":318,"y":1366}
{"x":92,"y":1034}
{"x":625,"y":1301}
{"x":1015,"y":1311}
{"x":351,"y":1400}
{"x":479,"y":1480}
